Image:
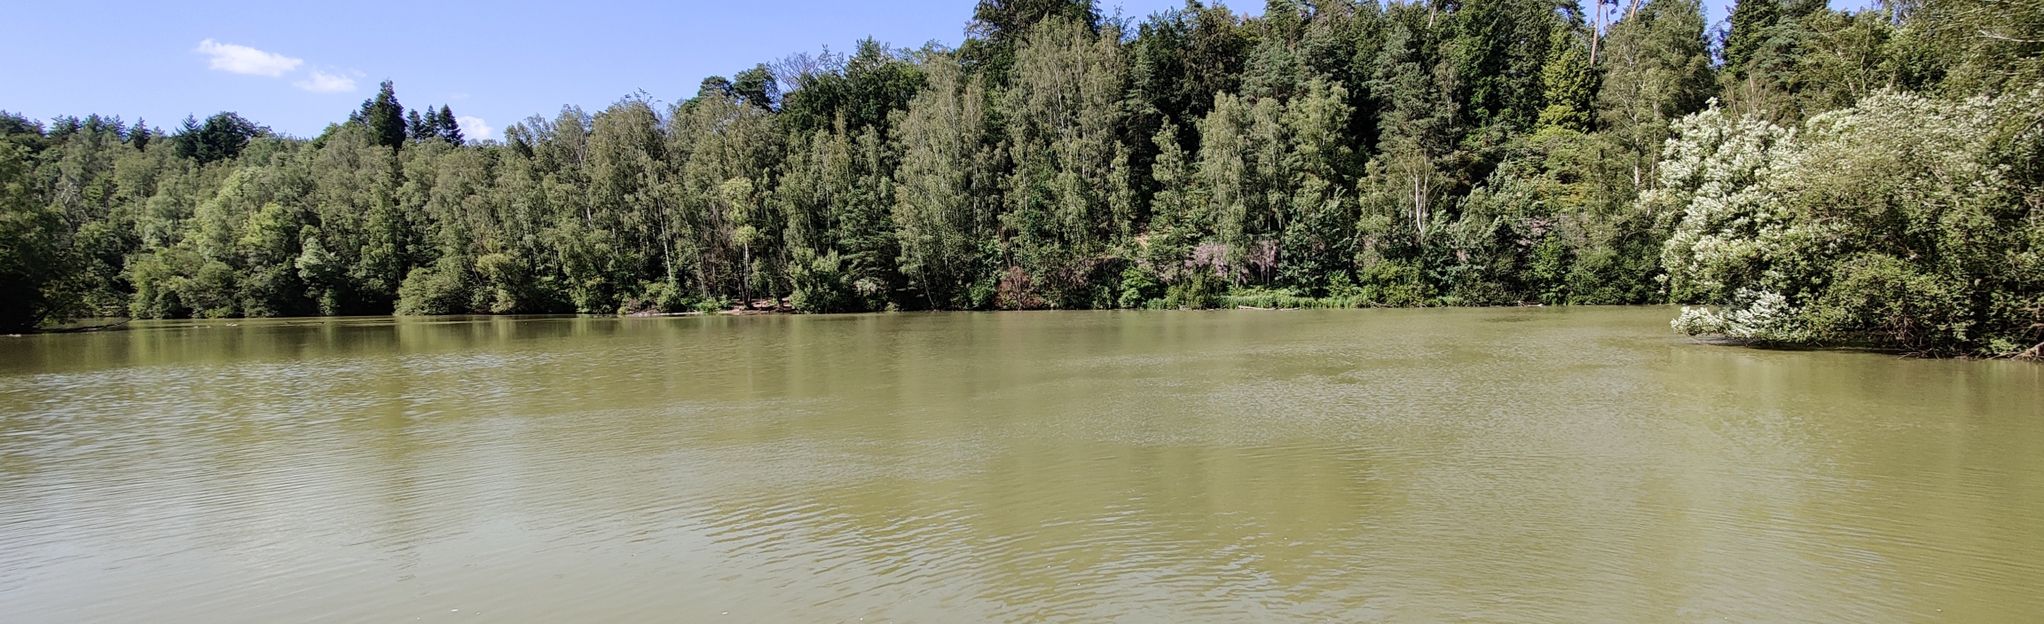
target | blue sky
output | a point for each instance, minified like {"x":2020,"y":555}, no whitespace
{"x":297,"y":66}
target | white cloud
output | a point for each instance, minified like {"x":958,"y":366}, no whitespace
{"x":322,"y":82}
{"x":474,"y":129}
{"x":241,"y":59}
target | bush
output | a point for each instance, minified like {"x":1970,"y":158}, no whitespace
{"x":443,"y":288}
{"x":821,"y":284}
{"x":1904,"y":222}
{"x":1139,"y":286}
{"x":504,"y":284}
{"x":1394,"y":283}
{"x":1199,"y":291}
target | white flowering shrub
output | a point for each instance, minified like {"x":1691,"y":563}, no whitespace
{"x":1716,"y":184}
{"x":1905,"y":222}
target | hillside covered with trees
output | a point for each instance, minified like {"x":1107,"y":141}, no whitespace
{"x":1805,"y":175}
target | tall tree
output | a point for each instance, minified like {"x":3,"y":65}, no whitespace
{"x":757,"y":87}
{"x":416,"y":126}
{"x":384,"y":117}
{"x":1064,"y":121}
{"x":1750,"y":23}
{"x":222,"y":137}
{"x":944,"y":210}
{"x":450,"y":128}
{"x":1568,"y":82}
{"x":998,"y":27}
{"x":141,"y":135}
{"x":32,"y":233}
{"x":1656,"y":69}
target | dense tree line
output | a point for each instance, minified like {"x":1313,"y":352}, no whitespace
{"x":1811,"y":175}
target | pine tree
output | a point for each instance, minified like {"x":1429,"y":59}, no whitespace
{"x":415,"y":126}
{"x":187,"y":138}
{"x":1749,"y":23}
{"x":757,"y":87}
{"x":1497,"y":47}
{"x":1569,"y":84}
{"x":450,"y":129}
{"x":140,"y":136}
{"x":384,"y":117}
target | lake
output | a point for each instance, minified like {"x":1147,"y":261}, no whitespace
{"x":1520,"y":465}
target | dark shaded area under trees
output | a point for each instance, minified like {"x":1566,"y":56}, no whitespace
{"x":1813,"y":176}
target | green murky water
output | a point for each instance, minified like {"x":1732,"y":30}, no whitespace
{"x":1424,"y":465}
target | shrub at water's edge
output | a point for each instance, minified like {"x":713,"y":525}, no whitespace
{"x":1905,"y":223}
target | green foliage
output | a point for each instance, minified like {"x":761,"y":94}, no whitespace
{"x":222,"y":137}
{"x":1751,"y":21}
{"x":1963,"y":47}
{"x":1496,"y":49}
{"x":383,"y":117}
{"x":1917,"y":231}
{"x":1139,"y":287}
{"x":757,"y":87}
{"x":1393,"y":283}
{"x":998,"y":28}
{"x":1568,"y":82}
{"x":444,"y":288}
{"x":1066,"y":192}
{"x":1323,"y":154}
{"x":821,"y":284}
{"x":1197,"y":292}
{"x":864,"y":90}
{"x":945,"y":202}
{"x":32,"y":254}
{"x":1657,"y":69}
{"x":1714,"y":183}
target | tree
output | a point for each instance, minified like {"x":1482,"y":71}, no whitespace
{"x":1963,"y":47}
{"x":1064,"y":120}
{"x":1917,"y":231}
{"x":449,"y":129}
{"x":1568,"y":82}
{"x":222,"y":137}
{"x":756,"y":87}
{"x":945,"y":206}
{"x":863,"y":89}
{"x":418,"y":128}
{"x":1180,"y":58}
{"x":1496,"y":48}
{"x":1178,"y":219}
{"x":1750,"y":22}
{"x":1868,"y":177}
{"x":141,"y":135}
{"x":998,"y":27}
{"x":33,"y":266}
{"x":1420,"y":132}
{"x":384,"y":117}
{"x":1656,"y":69}
{"x":1769,"y":42}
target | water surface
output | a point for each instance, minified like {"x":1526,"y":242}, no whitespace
{"x":1522,"y":465}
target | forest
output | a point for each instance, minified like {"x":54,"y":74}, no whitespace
{"x":1793,"y":173}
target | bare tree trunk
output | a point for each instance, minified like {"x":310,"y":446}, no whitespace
{"x":1597,"y":33}
{"x":1419,"y":208}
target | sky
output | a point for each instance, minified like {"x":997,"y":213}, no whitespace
{"x":298,"y":66}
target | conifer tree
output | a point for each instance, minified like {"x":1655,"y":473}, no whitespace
{"x":416,"y":128}
{"x":384,"y":117}
{"x":449,"y":129}
{"x":1569,"y":83}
